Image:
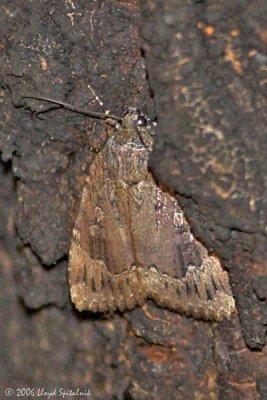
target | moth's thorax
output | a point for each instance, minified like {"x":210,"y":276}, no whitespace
{"x":126,"y":156}
{"x":126,"y":152}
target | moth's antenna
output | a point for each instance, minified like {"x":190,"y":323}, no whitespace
{"x":79,"y":110}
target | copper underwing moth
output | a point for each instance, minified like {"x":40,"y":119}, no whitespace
{"x":131,"y":241}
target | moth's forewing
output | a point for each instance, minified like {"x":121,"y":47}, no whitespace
{"x":131,"y":242}
{"x":101,"y":253}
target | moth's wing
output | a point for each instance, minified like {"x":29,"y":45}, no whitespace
{"x":131,"y":242}
{"x":160,"y":234}
{"x":102,"y":276}
{"x":177,"y":272}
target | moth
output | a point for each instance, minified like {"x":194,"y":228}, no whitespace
{"x":131,"y":242}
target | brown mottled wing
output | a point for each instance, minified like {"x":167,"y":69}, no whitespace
{"x":176,"y":271}
{"x":131,"y":242}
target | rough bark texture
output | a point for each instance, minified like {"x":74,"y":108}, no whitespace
{"x":206,"y":68}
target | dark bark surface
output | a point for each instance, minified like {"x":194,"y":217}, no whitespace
{"x":205,"y":65}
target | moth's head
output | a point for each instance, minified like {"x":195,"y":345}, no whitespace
{"x":134,"y":118}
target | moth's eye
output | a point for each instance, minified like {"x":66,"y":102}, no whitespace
{"x":141,"y":121}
